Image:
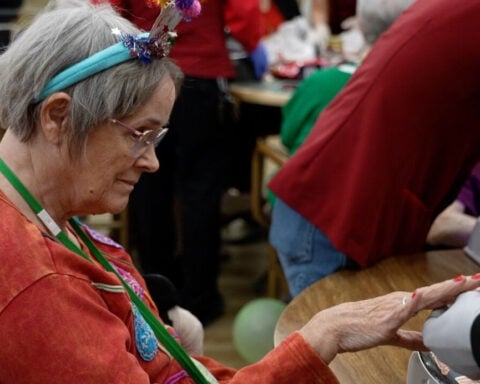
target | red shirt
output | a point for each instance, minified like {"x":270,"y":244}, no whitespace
{"x":394,"y":147}
{"x":272,"y":19}
{"x":200,"y":49}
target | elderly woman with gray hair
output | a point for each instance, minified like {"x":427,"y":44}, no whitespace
{"x":85,"y":98}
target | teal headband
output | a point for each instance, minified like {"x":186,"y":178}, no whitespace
{"x":129,"y":48}
{"x":144,"y":47}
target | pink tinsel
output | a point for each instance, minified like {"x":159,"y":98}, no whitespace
{"x":193,"y":11}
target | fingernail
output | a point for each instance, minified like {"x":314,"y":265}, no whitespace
{"x":476,"y":276}
{"x":414,"y":293}
{"x":459,"y":278}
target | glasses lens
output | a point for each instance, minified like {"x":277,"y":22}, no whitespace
{"x":153,"y":137}
{"x":148,"y":138}
{"x":160,"y":136}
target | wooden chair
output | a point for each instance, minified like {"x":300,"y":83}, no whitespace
{"x":268,"y":154}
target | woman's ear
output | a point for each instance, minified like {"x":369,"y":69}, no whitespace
{"x":55,"y":117}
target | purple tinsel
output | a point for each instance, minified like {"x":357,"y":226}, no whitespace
{"x":144,"y":48}
{"x":184,"y":4}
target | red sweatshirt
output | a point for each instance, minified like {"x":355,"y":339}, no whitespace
{"x":395,"y":146}
{"x":200,"y":49}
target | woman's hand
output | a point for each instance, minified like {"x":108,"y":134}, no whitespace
{"x":355,"y":326}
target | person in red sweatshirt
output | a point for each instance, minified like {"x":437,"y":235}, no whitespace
{"x":389,"y":153}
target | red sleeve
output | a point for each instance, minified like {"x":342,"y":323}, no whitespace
{"x":244,"y":19}
{"x":294,"y":361}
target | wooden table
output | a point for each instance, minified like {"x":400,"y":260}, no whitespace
{"x":380,"y":365}
{"x":272,"y":93}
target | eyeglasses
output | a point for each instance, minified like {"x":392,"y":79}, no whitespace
{"x":143,"y":139}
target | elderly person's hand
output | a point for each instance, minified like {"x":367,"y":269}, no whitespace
{"x":364,"y":324}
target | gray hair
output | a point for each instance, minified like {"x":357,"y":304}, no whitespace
{"x":59,"y":38}
{"x":376,"y":16}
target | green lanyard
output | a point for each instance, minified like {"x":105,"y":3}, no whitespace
{"x":158,"y":328}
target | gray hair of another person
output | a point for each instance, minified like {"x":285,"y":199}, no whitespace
{"x":376,"y":16}
{"x":59,"y":38}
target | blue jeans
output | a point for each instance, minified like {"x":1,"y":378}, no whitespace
{"x":305,"y":253}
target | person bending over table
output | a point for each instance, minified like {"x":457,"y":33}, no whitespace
{"x":85,"y":99}
{"x":314,"y":93}
{"x":366,"y":183}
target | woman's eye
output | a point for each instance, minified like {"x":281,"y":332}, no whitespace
{"x":139,"y":132}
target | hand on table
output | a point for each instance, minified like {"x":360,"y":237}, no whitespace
{"x":355,"y":326}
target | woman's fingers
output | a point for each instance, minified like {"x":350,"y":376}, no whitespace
{"x":444,"y":293}
{"x":412,"y":340}
{"x":354,"y":326}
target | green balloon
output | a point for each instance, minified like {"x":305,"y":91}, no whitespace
{"x":254,"y":326}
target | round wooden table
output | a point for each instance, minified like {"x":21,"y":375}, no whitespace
{"x":381,"y":364}
{"x":274,"y":93}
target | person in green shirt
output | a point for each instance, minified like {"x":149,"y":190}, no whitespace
{"x":309,"y":99}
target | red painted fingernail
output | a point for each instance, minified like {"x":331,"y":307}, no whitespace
{"x":414,"y":293}
{"x":459,"y":278}
{"x":476,"y":276}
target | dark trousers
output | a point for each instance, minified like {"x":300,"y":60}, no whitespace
{"x":175,"y":212}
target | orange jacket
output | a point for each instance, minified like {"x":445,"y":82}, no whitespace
{"x":64,"y":319}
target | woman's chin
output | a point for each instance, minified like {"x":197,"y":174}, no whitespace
{"x":118,"y":208}
{"x":113,"y":207}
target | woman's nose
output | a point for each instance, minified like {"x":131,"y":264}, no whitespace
{"x":148,"y":160}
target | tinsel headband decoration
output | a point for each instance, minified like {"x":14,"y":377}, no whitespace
{"x":143,"y":47}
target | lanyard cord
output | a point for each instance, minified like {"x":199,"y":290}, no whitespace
{"x":41,"y":213}
{"x":158,"y":328}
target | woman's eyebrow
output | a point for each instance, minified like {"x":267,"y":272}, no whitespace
{"x":153,"y":121}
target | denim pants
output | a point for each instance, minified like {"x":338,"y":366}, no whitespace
{"x":305,"y":253}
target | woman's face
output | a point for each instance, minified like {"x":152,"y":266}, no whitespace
{"x":109,"y":171}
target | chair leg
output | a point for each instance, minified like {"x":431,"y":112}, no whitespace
{"x":276,"y":284}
